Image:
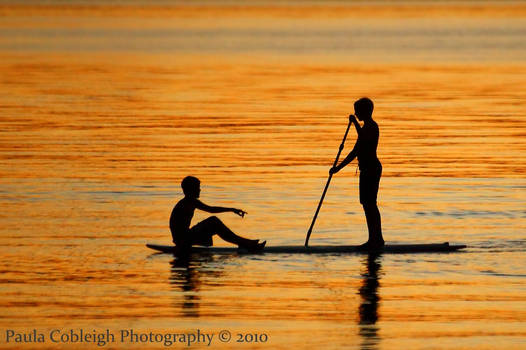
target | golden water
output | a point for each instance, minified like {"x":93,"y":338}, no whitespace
{"x":103,"y":110}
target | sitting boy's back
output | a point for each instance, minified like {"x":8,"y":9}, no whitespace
{"x":180,"y":220}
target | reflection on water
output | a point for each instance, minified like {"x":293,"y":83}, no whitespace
{"x":370,"y":299}
{"x":186,"y":279}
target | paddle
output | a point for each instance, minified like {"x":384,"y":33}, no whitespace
{"x":351,"y":118}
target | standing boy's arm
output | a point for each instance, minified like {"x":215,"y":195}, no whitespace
{"x":350,"y":157}
{"x":357,"y":126}
{"x":202,"y":206}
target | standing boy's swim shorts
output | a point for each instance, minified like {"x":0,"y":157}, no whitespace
{"x":369,"y":184}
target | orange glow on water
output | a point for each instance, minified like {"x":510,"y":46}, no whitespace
{"x":103,"y":109}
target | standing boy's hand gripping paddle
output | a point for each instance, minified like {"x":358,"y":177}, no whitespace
{"x":352,"y":119}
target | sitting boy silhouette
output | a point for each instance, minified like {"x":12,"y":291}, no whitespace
{"x":201,"y":234}
{"x":370,"y":169}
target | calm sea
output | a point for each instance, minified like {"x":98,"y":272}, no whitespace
{"x":105,"y":106}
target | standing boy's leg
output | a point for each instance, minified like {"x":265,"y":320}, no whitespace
{"x":369,"y":184}
{"x":374,"y":224}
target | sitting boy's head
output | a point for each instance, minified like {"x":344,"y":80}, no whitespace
{"x":363,"y":108}
{"x":191,"y":186}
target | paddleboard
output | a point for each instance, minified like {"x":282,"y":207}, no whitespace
{"x":320,"y":249}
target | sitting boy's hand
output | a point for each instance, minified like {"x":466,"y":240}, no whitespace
{"x":333,"y":170}
{"x":239,"y":212}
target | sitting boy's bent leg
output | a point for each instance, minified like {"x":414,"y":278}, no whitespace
{"x":207,"y":224}
{"x":202,"y":232}
{"x":213,"y":225}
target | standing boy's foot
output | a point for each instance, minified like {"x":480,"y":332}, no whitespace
{"x":364,"y":246}
{"x":369,"y":245}
{"x":376,"y":245}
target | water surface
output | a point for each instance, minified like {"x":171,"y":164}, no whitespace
{"x":104,"y":109}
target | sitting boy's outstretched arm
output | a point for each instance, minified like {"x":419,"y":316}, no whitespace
{"x":209,"y":209}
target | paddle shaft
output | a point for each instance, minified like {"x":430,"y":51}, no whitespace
{"x":327,"y":184}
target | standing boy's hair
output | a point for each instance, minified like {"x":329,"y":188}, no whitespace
{"x":190,"y":184}
{"x":365,"y":106}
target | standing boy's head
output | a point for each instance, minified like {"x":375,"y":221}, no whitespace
{"x":191,"y":186}
{"x":363,"y":108}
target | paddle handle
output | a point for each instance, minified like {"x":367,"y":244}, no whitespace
{"x":327,"y":184}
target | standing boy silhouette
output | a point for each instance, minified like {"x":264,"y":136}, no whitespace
{"x":370,"y":169}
